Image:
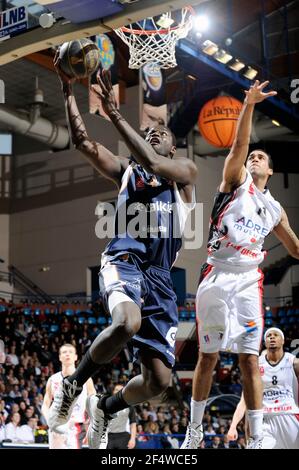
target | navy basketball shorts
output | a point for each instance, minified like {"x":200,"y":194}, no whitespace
{"x":150,"y":287}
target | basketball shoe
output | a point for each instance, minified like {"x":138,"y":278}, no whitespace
{"x":194,"y":436}
{"x":255,"y":443}
{"x":61,"y":409}
{"x":97,"y":434}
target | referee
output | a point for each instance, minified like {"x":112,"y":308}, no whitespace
{"x":122,"y":428}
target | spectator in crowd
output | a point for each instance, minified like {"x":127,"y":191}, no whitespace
{"x":36,"y":350}
{"x":151,"y":427}
{"x":241,"y":443}
{"x":2,"y":426}
{"x":12,"y":429}
{"x":11,"y":357}
{"x":151,"y":412}
{"x":141,"y":434}
{"x":27,"y":431}
{"x":216,"y":443}
{"x":210,"y":431}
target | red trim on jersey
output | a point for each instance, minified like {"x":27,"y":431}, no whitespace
{"x":207,"y":271}
{"x":204,"y":274}
{"x":221,"y":215}
{"x":261,"y":295}
{"x":251,"y":189}
{"x":78,"y":431}
{"x":197,"y":333}
{"x":297,"y":417}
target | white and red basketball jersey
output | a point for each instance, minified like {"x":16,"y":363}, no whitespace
{"x":78,"y":414}
{"x":280,"y":385}
{"x":239,"y":223}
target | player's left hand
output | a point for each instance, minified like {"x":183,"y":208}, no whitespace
{"x":105,"y":91}
{"x":65,"y":80}
{"x":131,"y":443}
{"x":255,"y":94}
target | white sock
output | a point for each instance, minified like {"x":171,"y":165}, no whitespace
{"x":255,"y":420}
{"x":197,"y":411}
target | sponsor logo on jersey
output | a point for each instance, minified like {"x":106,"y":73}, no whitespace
{"x":206,"y":338}
{"x":244,"y":251}
{"x":158,"y":206}
{"x":277,"y":394}
{"x":249,"y":226}
{"x":278,"y":409}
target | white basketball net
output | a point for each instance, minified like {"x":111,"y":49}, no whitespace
{"x":158,"y":44}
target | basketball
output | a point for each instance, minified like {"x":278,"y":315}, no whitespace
{"x":217,"y":120}
{"x":79,"y":58}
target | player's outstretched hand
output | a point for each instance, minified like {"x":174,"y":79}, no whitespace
{"x":64,"y":78}
{"x":255,"y":94}
{"x":105,"y":91}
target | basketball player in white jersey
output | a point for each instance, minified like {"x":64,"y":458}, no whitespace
{"x":71,"y":435}
{"x":280,"y":373}
{"x":229,"y":296}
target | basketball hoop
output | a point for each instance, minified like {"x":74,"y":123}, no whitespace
{"x":154,"y":39}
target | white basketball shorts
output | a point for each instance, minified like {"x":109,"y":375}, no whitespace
{"x":230,"y":310}
{"x":281,"y":432}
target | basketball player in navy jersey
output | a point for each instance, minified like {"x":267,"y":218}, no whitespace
{"x":229,"y":296}
{"x":135,"y":282}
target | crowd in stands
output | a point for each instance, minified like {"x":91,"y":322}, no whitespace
{"x":32,"y":336}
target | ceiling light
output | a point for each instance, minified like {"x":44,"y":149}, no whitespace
{"x":276,"y":123}
{"x":228,"y":41}
{"x":222,"y":56}
{"x":209,"y":47}
{"x":236,"y":65}
{"x":44,"y":269}
{"x":250,"y":73}
{"x":201,"y":23}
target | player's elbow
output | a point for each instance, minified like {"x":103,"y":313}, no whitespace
{"x":294,"y":252}
{"x":193,"y":172}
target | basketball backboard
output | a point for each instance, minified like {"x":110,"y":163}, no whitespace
{"x":74,"y":19}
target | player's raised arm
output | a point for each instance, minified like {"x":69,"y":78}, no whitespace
{"x":285,"y":234}
{"x":156,"y":151}
{"x":105,"y":162}
{"x":234,"y":169}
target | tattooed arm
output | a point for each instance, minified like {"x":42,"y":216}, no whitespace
{"x":105,"y":162}
{"x":182,"y":170}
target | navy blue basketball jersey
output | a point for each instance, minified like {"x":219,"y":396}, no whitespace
{"x":150,"y":218}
